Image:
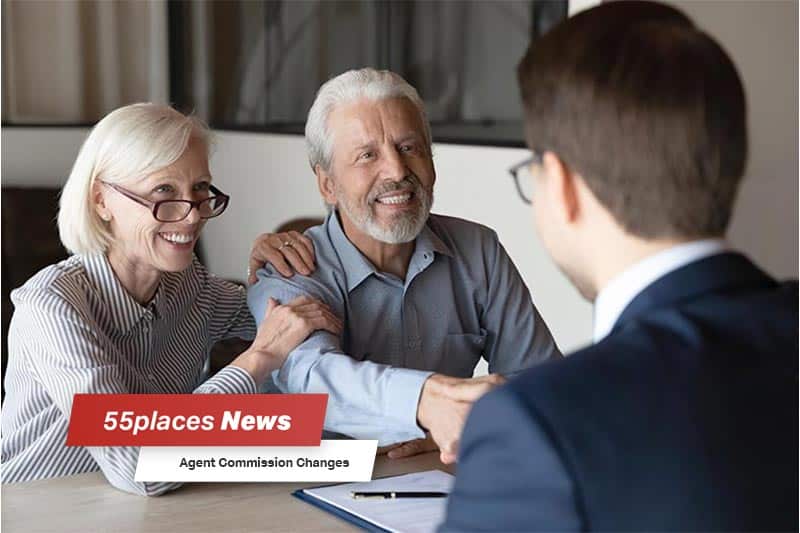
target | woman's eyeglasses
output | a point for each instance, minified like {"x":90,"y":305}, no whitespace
{"x":177,"y":210}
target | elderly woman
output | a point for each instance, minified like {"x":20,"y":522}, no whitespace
{"x":132,"y":311}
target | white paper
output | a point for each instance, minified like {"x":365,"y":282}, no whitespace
{"x":403,"y":515}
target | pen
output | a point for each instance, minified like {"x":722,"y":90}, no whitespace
{"x":395,"y":495}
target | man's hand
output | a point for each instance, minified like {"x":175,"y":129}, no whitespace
{"x":408,"y":448}
{"x":288,"y":252}
{"x":444,"y":405}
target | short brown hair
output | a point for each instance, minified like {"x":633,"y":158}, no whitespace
{"x":648,"y":109}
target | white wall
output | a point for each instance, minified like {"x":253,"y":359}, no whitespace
{"x":270,"y":182}
{"x":762,"y":39}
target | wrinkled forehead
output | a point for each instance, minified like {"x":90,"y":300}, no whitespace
{"x":368,"y":121}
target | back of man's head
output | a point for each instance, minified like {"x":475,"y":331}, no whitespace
{"x":648,"y":109}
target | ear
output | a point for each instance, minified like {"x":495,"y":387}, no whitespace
{"x":326,"y":185}
{"x":99,"y":202}
{"x":561,"y":187}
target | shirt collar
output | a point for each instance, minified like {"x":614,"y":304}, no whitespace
{"x":429,"y":241}
{"x":124,"y":311}
{"x":357,"y":267}
{"x":623,"y":288}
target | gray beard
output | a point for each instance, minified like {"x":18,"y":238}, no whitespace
{"x":404,"y":228}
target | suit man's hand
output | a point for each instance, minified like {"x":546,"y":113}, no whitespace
{"x":444,"y":405}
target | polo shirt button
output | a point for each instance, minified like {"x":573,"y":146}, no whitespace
{"x":151,"y":377}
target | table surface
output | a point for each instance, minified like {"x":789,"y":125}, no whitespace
{"x":87,"y":503}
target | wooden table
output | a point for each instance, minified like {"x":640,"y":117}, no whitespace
{"x":87,"y":503}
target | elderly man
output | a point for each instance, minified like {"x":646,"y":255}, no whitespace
{"x":423,"y":296}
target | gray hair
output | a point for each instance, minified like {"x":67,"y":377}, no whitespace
{"x":125,"y":146}
{"x":351,"y":86}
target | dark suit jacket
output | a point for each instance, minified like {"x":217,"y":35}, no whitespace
{"x":683,"y":418}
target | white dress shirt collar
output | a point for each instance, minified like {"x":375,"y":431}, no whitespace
{"x":623,"y":288}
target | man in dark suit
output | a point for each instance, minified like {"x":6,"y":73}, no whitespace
{"x":683,"y":414}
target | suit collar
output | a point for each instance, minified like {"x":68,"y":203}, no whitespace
{"x":624,"y":287}
{"x":712,"y":274}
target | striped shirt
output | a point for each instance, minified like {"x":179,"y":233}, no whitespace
{"x":75,"y":329}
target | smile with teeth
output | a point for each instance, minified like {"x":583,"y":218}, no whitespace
{"x":395,"y":199}
{"x":177,"y":238}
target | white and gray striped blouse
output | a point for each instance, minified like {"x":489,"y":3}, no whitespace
{"x":76,"y":330}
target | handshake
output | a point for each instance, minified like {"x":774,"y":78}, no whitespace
{"x":442,"y":410}
{"x":341,"y":362}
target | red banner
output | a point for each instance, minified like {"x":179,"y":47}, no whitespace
{"x":196,"y":419}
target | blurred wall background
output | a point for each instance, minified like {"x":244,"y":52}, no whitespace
{"x":70,"y":61}
{"x":762,"y":39}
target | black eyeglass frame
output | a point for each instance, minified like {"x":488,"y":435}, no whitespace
{"x":193,"y":204}
{"x":535,"y":158}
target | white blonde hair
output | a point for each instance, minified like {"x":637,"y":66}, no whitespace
{"x":126,"y":145}
{"x":351,"y":86}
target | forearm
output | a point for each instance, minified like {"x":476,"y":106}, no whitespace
{"x":365,"y":399}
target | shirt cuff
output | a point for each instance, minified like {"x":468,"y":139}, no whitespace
{"x":229,"y":380}
{"x":403,"y":392}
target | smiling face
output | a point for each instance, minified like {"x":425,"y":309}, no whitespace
{"x":141,"y":241}
{"x":381,"y":176}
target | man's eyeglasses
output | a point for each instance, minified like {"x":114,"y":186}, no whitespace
{"x":177,"y":210}
{"x":523,"y":178}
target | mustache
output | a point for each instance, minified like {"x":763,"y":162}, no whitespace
{"x":410,"y":183}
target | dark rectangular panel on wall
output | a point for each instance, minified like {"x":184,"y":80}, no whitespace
{"x":30,"y":242}
{"x":257,"y":64}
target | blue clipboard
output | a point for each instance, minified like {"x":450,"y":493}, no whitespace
{"x":347,"y":516}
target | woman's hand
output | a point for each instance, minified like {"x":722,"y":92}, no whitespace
{"x":288,"y":252}
{"x":284,"y":327}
